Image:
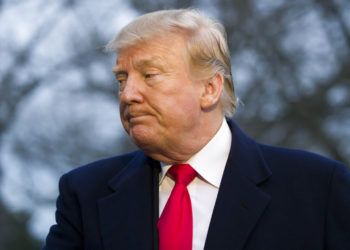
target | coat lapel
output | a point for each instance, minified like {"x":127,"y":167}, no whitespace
{"x":240,"y":202}
{"x":128,"y":216}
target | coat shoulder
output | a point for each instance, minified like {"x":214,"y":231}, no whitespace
{"x":299,"y":161}
{"x":99,"y":171}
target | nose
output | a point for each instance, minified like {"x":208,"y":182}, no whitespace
{"x":131,"y":92}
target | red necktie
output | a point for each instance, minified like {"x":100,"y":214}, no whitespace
{"x":175,"y":224}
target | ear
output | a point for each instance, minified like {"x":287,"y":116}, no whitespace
{"x":212,"y":92}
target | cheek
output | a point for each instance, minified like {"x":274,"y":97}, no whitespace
{"x":188,"y":104}
{"x":184,"y":112}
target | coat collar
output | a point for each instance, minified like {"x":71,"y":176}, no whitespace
{"x":128,"y":216}
{"x":240,"y":202}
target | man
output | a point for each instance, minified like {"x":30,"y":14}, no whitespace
{"x":198,"y":181}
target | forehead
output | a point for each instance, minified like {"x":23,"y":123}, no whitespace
{"x":164,"y":51}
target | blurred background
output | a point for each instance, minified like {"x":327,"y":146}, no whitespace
{"x":58,"y":105}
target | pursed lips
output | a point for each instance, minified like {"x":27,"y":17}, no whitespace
{"x":132,"y":116}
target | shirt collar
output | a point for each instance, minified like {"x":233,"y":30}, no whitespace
{"x":210,"y":161}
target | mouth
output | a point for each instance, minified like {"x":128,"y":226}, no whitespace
{"x":135,"y":117}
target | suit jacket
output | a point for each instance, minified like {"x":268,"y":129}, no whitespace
{"x":269,"y":199}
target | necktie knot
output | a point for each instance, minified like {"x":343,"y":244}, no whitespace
{"x":182,"y":173}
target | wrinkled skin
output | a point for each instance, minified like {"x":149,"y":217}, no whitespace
{"x":166,"y":112}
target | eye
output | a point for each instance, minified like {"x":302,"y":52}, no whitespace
{"x":122,"y":84}
{"x":150,"y":75}
{"x":121,"y":79}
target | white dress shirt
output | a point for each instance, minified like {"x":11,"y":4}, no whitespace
{"x":209,"y":163}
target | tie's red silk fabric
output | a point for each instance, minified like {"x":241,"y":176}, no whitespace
{"x":175,"y":225}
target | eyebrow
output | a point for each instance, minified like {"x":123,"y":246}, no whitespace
{"x":155,"y":61}
{"x":120,"y":73}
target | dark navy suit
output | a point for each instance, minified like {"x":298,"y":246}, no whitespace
{"x":269,"y":199}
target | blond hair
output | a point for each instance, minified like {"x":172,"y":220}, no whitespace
{"x":206,"y":44}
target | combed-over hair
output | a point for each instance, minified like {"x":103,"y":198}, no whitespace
{"x":206,"y":44}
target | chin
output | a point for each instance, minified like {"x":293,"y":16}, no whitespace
{"x":142,"y":137}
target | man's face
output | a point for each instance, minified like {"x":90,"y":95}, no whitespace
{"x":159,"y":101}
